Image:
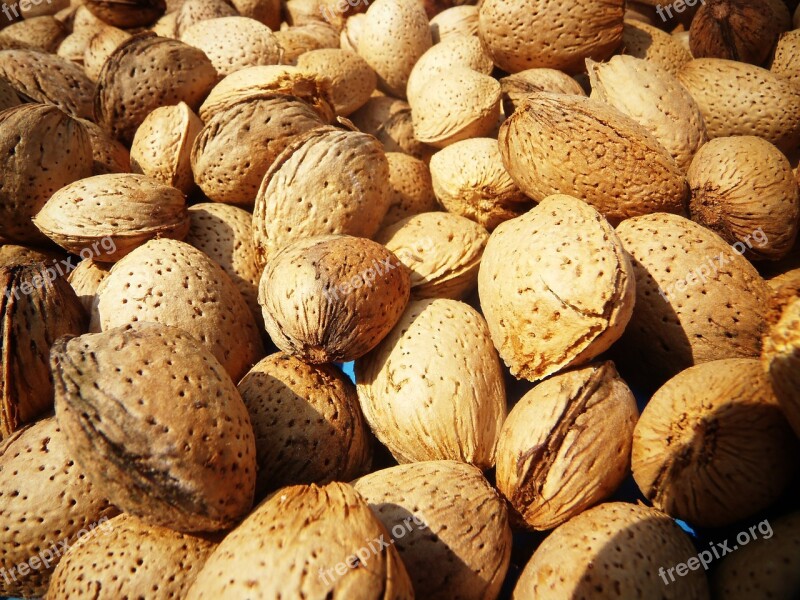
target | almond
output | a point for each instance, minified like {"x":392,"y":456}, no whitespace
{"x":389,"y":120}
{"x":12,"y":255}
{"x":86,"y":278}
{"x":8,"y":97}
{"x":784,"y":59}
{"x":517,"y":87}
{"x":127,"y":13}
{"x":654,"y":45}
{"x":109,"y":155}
{"x":166,"y":26}
{"x":352,"y":79}
{"x":410,"y":188}
{"x":781,"y":359}
{"x":102,"y":45}
{"x":296,"y":41}
{"x":43,"y":33}
{"x":455,"y":20}
{"x":194,"y":11}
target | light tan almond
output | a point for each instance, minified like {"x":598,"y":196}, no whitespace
{"x":352,"y":79}
{"x":517,"y":87}
{"x":410,"y":188}
{"x":654,"y":45}
{"x":86,"y":278}
{"x":43,"y":33}
{"x":389,"y":120}
{"x":461,"y":20}
{"x":102,"y":45}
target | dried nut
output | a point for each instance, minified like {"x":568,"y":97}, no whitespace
{"x":436,"y":363}
{"x":156,"y":562}
{"x":655,"y":99}
{"x":267,"y":12}
{"x":127,"y":13}
{"x":300,"y":12}
{"x":225,"y":234}
{"x":121,"y":210}
{"x":410,"y":188}
{"x":233,"y":43}
{"x":743,"y":188}
{"x":781,"y":359}
{"x":712,"y":446}
{"x":439,"y":61}
{"x":563,"y":258}
{"x":277,"y":79}
{"x":471,"y":562}
{"x":349,"y":292}
{"x":174,"y":72}
{"x":53,"y":502}
{"x":336,"y":13}
{"x":42,"y":150}
{"x":541,"y":33}
{"x":73,"y":47}
{"x":389,"y":120}
{"x":110,"y":392}
{"x":784,"y":61}
{"x":784,"y":285}
{"x":8,"y":97}
{"x":49,"y":79}
{"x":584,"y":555}
{"x":185,"y":289}
{"x":166,"y":26}
{"x":296,"y":41}
{"x":85,"y":279}
{"x":238,"y":145}
{"x":307,"y":531}
{"x":395,"y":35}
{"x":326,"y":181}
{"x":469,"y":179}
{"x":42,"y":33}
{"x":162,"y":146}
{"x":102,"y":45}
{"x":566,"y":445}
{"x":738,"y":29}
{"x":352,"y":79}
{"x":730,"y":94}
{"x":697,"y":299}
{"x":351,"y":32}
{"x":12,"y":255}
{"x":109,"y":156}
{"x":37,"y":307}
{"x":654,"y":45}
{"x":307,"y":422}
{"x":606,"y":158}
{"x":454,"y":20}
{"x":462,"y":105}
{"x":37,"y":10}
{"x":193,"y":11}
{"x":519,"y":86}
{"x":443,"y":252}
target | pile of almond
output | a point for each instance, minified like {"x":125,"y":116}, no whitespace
{"x":394,"y":299}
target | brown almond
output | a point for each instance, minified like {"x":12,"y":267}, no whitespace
{"x":410,"y":188}
{"x":517,"y":87}
{"x":267,"y":12}
{"x":102,"y":45}
{"x":12,"y":255}
{"x":352,"y":79}
{"x":86,"y":278}
{"x":8,"y":97}
{"x":785,"y":57}
{"x":127,"y":13}
{"x":109,"y":156}
{"x":654,"y":45}
{"x":44,"y":33}
{"x":313,"y":35}
{"x":389,"y":120}
{"x":781,"y":358}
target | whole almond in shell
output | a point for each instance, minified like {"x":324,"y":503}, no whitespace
{"x":436,"y":363}
{"x":312,"y":535}
{"x":157,"y":424}
{"x":157,"y":562}
{"x":517,"y":87}
{"x":781,"y":359}
{"x":102,"y":45}
{"x":410,"y":188}
{"x":123,"y":210}
{"x":332,"y":298}
{"x":605,"y":157}
{"x":556,"y":287}
{"x":47,"y":502}
{"x":389,"y":120}
{"x":566,"y":445}
{"x":352,"y":79}
{"x":469,"y":179}
{"x":12,"y":255}
{"x":654,"y":45}
{"x":109,"y":156}
{"x":785,"y":57}
{"x":296,"y":41}
{"x":166,"y":26}
{"x":194,"y":11}
{"x":326,"y":181}
{"x":85,"y":279}
{"x":743,"y":189}
{"x":615,"y":547}
{"x":307,"y":422}
{"x":455,"y":20}
{"x":43,"y":33}
{"x":712,"y":446}
{"x":162,"y":146}
{"x":431,"y":508}
{"x":127,"y":13}
{"x":351,"y":32}
{"x":267,"y":12}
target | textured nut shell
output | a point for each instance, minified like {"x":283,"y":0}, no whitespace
{"x":180,"y":286}
{"x":557,"y":144}
{"x":564,"y":260}
{"x":785,"y":59}
{"x":394,"y":36}
{"x":712,"y":446}
{"x":517,"y":87}
{"x":34,"y":10}
{"x":177,"y":451}
{"x":741,"y":185}
{"x":109,"y":156}
{"x":12,"y":255}
{"x":162,"y":146}
{"x":566,"y":445}
{"x":295,"y":41}
{"x":129,"y":558}
{"x":127,"y":13}
{"x":433,"y":388}
{"x":740,"y":99}
{"x":443,"y":252}
{"x":469,"y":179}
{"x":42,"y":150}
{"x":454,"y":20}
{"x":304,"y":531}
{"x":307,"y":422}
{"x":463,"y":105}
{"x":310,"y":308}
{"x":389,"y":120}
{"x":49,"y":79}
{"x":145,"y":72}
{"x":232,"y":43}
{"x":654,"y":45}
{"x":326,"y":181}
{"x":166,"y":26}
{"x":193,"y":11}
{"x":447,"y":499}
{"x":616,"y":547}
{"x":44,"y":33}
{"x":34,"y":312}
{"x":547,"y":33}
{"x":352,"y":79}
{"x":8,"y":97}
{"x":238,"y":145}
{"x":655,"y":99}
{"x":126,"y":208}
{"x":100,"y":47}
{"x":351,"y":32}
{"x":265,"y":11}
{"x":85,"y":279}
{"x":722,"y":317}
{"x":410,"y":188}
{"x":47,"y":499}
{"x":781,"y":359}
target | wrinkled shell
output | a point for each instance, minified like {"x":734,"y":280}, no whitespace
{"x":352,"y":79}
{"x":187,"y":463}
{"x":389,"y":120}
{"x":556,"y":287}
{"x":433,"y":388}
{"x":517,"y":87}
{"x":410,"y":188}
{"x":307,"y":422}
{"x":109,"y":156}
{"x":455,"y":20}
{"x":127,"y":13}
{"x":182,"y":287}
{"x":85,"y":279}
{"x":437,"y":504}
{"x":712,"y":446}
{"x":654,"y":45}
{"x":44,"y":33}
{"x":781,"y":359}
{"x":332,"y":298}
